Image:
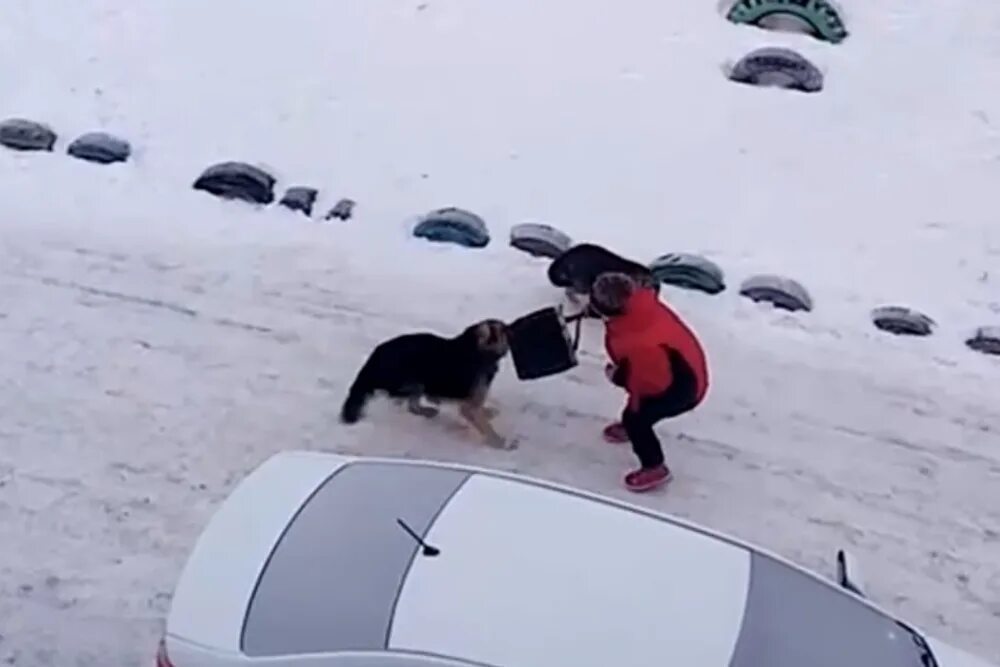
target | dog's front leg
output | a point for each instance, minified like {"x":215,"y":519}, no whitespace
{"x":475,"y":415}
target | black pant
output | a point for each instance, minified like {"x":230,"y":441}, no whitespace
{"x":680,"y":397}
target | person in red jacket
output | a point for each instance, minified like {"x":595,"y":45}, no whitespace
{"x":657,"y":359}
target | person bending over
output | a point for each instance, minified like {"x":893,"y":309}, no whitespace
{"x":659,"y":362}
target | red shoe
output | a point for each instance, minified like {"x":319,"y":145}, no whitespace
{"x":615,"y":433}
{"x":647,"y":479}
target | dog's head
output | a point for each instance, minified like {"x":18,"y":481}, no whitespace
{"x":491,"y":337}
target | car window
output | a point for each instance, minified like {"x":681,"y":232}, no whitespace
{"x":332,"y":581}
{"x":793,"y":619}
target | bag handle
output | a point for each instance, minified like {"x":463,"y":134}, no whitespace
{"x":578,"y":318}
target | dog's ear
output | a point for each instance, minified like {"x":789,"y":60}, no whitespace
{"x":492,"y":335}
{"x":482,"y":334}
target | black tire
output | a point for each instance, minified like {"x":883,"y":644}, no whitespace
{"x":779,"y":67}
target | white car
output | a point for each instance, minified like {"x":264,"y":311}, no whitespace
{"x":321,"y":560}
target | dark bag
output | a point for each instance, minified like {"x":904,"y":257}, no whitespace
{"x":540,"y":344}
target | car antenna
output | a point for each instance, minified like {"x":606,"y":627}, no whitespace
{"x":425,"y":549}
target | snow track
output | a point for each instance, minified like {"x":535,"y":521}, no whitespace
{"x":146,"y":372}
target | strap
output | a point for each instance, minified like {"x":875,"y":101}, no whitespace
{"x":578,"y":318}
{"x":576,"y":334}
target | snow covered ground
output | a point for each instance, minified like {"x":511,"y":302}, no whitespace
{"x":157,"y":343}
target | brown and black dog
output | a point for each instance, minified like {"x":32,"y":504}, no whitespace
{"x":427,"y":366}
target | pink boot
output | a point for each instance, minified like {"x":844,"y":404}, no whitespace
{"x":647,"y":479}
{"x":615,"y":433}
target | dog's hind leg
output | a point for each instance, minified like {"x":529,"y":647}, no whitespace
{"x":414,"y":406}
{"x":426,"y":411}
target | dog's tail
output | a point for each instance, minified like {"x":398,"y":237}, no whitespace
{"x":357,"y":397}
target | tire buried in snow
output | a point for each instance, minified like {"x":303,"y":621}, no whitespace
{"x":20,"y":134}
{"x":780,"y":292}
{"x":100,"y":147}
{"x":902,"y":321}
{"x":453,"y":225}
{"x":985,"y":340}
{"x":300,"y":198}
{"x":778,"y":67}
{"x":539,"y":240}
{"x":688,"y":271}
{"x":342,"y":210}
{"x":237,"y":180}
{"x":822,"y":18}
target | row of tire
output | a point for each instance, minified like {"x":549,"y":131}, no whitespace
{"x":245,"y":182}
{"x":229,"y":180}
{"x":683,"y":270}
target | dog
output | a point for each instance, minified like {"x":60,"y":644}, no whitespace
{"x":576,"y":269}
{"x":427,"y":366}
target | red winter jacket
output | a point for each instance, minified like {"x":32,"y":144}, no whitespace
{"x":635,"y":342}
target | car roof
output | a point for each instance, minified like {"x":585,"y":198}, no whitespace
{"x":529,"y":575}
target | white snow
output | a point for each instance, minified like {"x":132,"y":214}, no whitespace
{"x":158,"y":343}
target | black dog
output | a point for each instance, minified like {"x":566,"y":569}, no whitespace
{"x":576,"y":269}
{"x":425,"y":365}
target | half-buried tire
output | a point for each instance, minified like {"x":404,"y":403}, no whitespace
{"x":985,"y":340}
{"x":300,"y":198}
{"x":822,"y":18}
{"x":539,"y":240}
{"x":453,"y":225}
{"x":100,"y":147}
{"x":780,"y":292}
{"x":689,"y":272}
{"x":26,"y":135}
{"x":778,"y":67}
{"x":902,"y":321}
{"x":237,"y":180}
{"x":342,"y":210}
